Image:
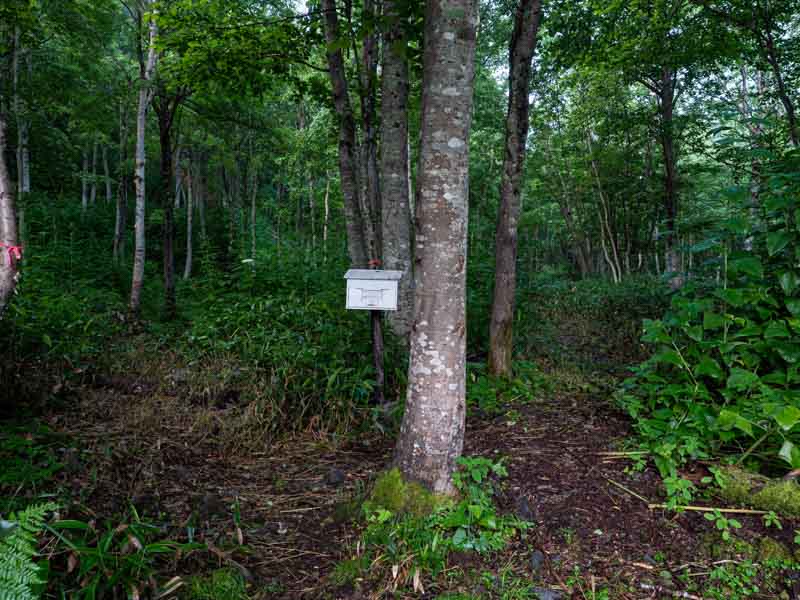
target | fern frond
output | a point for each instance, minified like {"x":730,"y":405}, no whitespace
{"x":20,"y":576}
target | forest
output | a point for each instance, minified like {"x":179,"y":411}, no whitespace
{"x":363,"y":299}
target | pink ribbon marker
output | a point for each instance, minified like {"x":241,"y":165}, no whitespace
{"x":14,"y":253}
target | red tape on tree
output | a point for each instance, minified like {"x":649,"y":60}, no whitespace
{"x":14,"y":253}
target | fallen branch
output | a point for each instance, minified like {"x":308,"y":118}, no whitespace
{"x":674,"y":594}
{"x":628,"y":491}
{"x":738,"y":511}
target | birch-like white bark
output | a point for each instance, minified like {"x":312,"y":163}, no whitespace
{"x":146,"y":91}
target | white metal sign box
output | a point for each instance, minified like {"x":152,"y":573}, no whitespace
{"x":369,"y":289}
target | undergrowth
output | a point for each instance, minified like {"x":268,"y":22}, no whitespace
{"x":411,"y":540}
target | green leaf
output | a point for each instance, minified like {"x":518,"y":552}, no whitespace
{"x":789,"y":282}
{"x":776,"y":329}
{"x":732,"y":296}
{"x":740,"y":379}
{"x":750,"y":266}
{"x":788,"y":351}
{"x":708,"y":366}
{"x":670,"y":357}
{"x":788,"y":417}
{"x":791,"y":454}
{"x":777,"y":241}
{"x":695,"y":332}
{"x":712,"y":320}
{"x":794,"y":306}
{"x":729,"y":419}
{"x":459,"y":537}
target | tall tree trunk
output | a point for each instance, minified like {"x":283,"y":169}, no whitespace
{"x":85,"y":180}
{"x":21,"y":55}
{"x":107,"y":174}
{"x":394,"y":172}
{"x":327,"y":218}
{"x":187,"y":269}
{"x":348,"y":166}
{"x":432,"y":434}
{"x":147,"y":71}
{"x":93,"y":193}
{"x":166,"y":106}
{"x":122,"y":187}
{"x":9,"y":251}
{"x":768,"y":44}
{"x":179,"y":175}
{"x":254,"y":215}
{"x":667,"y":134}
{"x":523,"y":45}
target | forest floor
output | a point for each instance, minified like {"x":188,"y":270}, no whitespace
{"x":285,"y":517}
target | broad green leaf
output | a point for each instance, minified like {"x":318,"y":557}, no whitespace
{"x":670,"y":357}
{"x":791,"y":454}
{"x":788,"y":351}
{"x":776,"y":329}
{"x":712,"y":320}
{"x":695,"y":332}
{"x":740,"y":379}
{"x":777,"y":241}
{"x":794,"y":306}
{"x":732,"y":296}
{"x":788,"y":417}
{"x":459,"y":537}
{"x":789,"y":282}
{"x":708,"y":366}
{"x":729,"y":419}
{"x":749,"y":265}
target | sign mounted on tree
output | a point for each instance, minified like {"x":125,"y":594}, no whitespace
{"x":372,"y":290}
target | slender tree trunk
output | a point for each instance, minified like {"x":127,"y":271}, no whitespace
{"x":201,"y":191}
{"x":432,"y":434}
{"x":179,"y":175}
{"x":93,"y":193}
{"x":10,"y":253}
{"x":327,"y":218}
{"x":166,"y":106}
{"x":394,"y":172}
{"x":667,"y":107}
{"x":348,"y":166}
{"x":85,"y":180}
{"x":120,"y":224}
{"x":187,"y":269}
{"x":147,"y":72}
{"x":523,"y":45}
{"x":20,"y":55}
{"x":311,"y":209}
{"x":107,"y":174}
{"x":254,"y":215}
{"x":771,"y":54}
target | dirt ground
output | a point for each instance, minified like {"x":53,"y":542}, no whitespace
{"x":281,"y":515}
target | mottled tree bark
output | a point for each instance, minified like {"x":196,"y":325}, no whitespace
{"x":8,"y":227}
{"x":395,"y":210}
{"x":523,"y":45}
{"x":146,"y":73}
{"x":348,"y":165}
{"x":432,"y":434}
